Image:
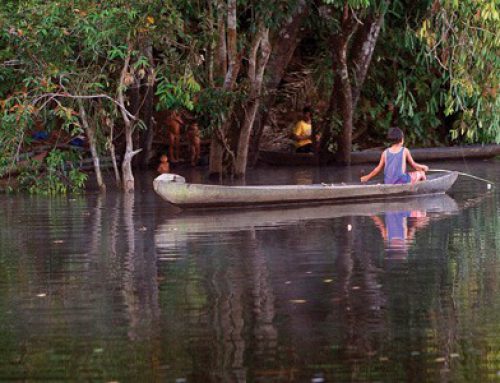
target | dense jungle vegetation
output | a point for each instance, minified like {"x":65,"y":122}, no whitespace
{"x":107,"y":70}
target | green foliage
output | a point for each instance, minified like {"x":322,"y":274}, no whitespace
{"x":403,"y":91}
{"x":56,"y":51}
{"x":462,"y":37}
{"x":435,"y":71}
{"x":214,"y":104}
{"x":59,"y":175}
{"x":176,"y":94}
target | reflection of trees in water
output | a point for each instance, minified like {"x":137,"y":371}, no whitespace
{"x":140,"y":289}
{"x":69,"y":302}
{"x":231,"y":314}
{"x":357,"y":302}
{"x":388,"y":318}
{"x":225,"y":308}
{"x":467,"y":318}
{"x":432,"y":299}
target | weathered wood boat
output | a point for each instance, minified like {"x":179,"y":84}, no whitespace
{"x":373,"y":156}
{"x":174,"y":189}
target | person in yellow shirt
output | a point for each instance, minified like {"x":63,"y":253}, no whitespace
{"x":302,"y":133}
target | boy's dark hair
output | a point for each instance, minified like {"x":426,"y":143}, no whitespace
{"x":395,"y":135}
{"x":307,"y":109}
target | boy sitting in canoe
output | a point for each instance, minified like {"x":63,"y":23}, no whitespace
{"x":393,"y":160}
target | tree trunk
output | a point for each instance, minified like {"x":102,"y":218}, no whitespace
{"x":344,"y":101}
{"x":346,"y":92}
{"x":256,"y":70}
{"x":111,"y":145}
{"x":362,"y":49}
{"x":211,"y":46}
{"x":90,"y":130}
{"x":221,"y":54}
{"x":227,"y":53}
{"x":216,"y":155}
{"x":284,"y":44}
{"x":147,"y":110}
{"x":127,"y":173}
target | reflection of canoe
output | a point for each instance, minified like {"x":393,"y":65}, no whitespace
{"x":175,"y":190}
{"x":367,"y":156}
{"x":230,"y":220}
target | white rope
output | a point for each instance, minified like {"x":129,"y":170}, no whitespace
{"x":463,"y":174}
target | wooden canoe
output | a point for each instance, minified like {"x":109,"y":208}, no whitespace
{"x":373,"y":156}
{"x":174,"y":189}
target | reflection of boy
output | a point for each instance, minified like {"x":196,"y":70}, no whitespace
{"x":398,"y":231}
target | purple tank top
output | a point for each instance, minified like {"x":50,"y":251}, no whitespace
{"x":393,"y":170}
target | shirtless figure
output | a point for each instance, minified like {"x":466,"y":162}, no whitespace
{"x":174,"y":123}
{"x":193,"y":137}
{"x":164,"y":166}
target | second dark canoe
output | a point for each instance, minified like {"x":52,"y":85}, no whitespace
{"x":373,"y":156}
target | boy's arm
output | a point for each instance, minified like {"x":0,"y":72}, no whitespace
{"x":375,"y":171}
{"x":413,"y":164}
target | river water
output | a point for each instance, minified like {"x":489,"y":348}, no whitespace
{"x":122,"y":288}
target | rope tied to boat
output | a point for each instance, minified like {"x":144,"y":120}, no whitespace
{"x":490,"y":183}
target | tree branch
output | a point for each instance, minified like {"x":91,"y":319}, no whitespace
{"x":52,"y":96}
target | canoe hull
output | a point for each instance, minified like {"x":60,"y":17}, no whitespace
{"x":175,"y":190}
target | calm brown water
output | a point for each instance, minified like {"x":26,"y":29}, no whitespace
{"x":126,"y":288}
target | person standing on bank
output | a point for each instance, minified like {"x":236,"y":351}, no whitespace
{"x":302,"y":132}
{"x":174,"y":123}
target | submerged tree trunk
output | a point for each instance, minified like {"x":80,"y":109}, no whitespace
{"x":227,"y":54}
{"x":348,"y":83}
{"x":116,"y":171}
{"x":216,"y":155}
{"x":90,"y":131}
{"x":257,"y":66}
{"x":344,"y":100}
{"x":127,"y":173}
